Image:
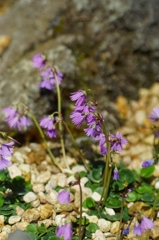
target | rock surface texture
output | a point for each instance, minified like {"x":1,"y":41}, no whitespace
{"x":112,"y":45}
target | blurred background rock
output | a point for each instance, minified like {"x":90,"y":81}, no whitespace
{"x":109,"y":46}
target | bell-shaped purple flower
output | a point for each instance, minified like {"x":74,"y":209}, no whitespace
{"x":146,"y":224}
{"x":154,"y":116}
{"x":147,"y":163}
{"x":63,"y":197}
{"x":39,"y":61}
{"x":64,"y":231}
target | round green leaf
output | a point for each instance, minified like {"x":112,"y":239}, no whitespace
{"x":113,"y":203}
{"x":92,"y":227}
{"x":32,"y":228}
{"x":53,"y":238}
{"x":89,"y":203}
{"x":147,"y":172}
{"x":2,"y":177}
{"x":147,"y":197}
{"x":132,"y":197}
{"x":144,"y":188}
{"x":126,"y":176}
{"x":95,"y":175}
{"x":1,"y":200}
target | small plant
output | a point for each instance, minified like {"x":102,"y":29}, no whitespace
{"x":116,"y":185}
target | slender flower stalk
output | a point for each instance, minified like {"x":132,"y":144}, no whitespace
{"x":154,"y":205}
{"x":121,"y":218}
{"x":80,"y":220}
{"x":60,"y":123}
{"x":43,"y":137}
{"x":76,"y":146}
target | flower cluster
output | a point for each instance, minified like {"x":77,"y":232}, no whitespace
{"x":6,"y":151}
{"x":146,"y":224}
{"x":48,"y":123}
{"x":85,"y":111}
{"x":15,"y":119}
{"x":48,"y":79}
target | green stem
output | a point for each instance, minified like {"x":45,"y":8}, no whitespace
{"x":76,"y":146}
{"x":43,"y":137}
{"x":121,"y":218}
{"x":60,"y":123}
{"x":154,"y":205}
{"x":80,"y":220}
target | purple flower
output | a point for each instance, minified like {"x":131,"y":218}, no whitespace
{"x":64,"y":231}
{"x":4,"y":163}
{"x":10,"y":112}
{"x":77,"y":118}
{"x":6,"y":150}
{"x":115,"y":174}
{"x":48,"y":123}
{"x":102,"y":144}
{"x":14,"y":119}
{"x":63,"y":197}
{"x":48,"y":79}
{"x":79,"y":97}
{"x":147,"y":163}
{"x":93,"y":130}
{"x":154,"y":116}
{"x":137,"y":229}
{"x":126,"y":231}
{"x":117,"y":141}
{"x":146,"y":224}
{"x":39,"y":61}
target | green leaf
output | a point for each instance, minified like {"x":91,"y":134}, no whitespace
{"x":1,"y":200}
{"x":126,"y":176}
{"x":42,"y":228}
{"x":2,"y":177}
{"x":92,"y":227}
{"x":147,"y":197}
{"x":32,"y":228}
{"x":126,"y":216}
{"x":89,"y":203}
{"x":144,"y":188}
{"x":147,"y":172}
{"x":95,"y":175}
{"x":113,"y":203}
{"x":132,"y":197}
{"x":113,"y":218}
{"x":53,"y":238}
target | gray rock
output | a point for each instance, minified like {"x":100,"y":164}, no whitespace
{"x":20,"y":235}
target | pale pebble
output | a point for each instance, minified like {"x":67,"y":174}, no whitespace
{"x":7,"y":229}
{"x":110,"y":211}
{"x":19,"y":211}
{"x":51,"y":197}
{"x":96,"y":196}
{"x":25,"y":168}
{"x":60,"y":219}
{"x":115,"y":227}
{"x":43,"y":177}
{"x":29,"y":197}
{"x":31,"y":215}
{"x":157,"y":185}
{"x":14,"y":219}
{"x":20,"y":225}
{"x":104,"y":225}
{"x":78,"y":168}
{"x":1,"y":220}
{"x":93,"y":218}
{"x":38,"y":187}
{"x":17,"y":157}
{"x":52,"y":183}
{"x":61,"y":180}
{"x":35,"y":203}
{"x":14,"y":171}
{"x":46,"y":222}
{"x":42,"y":197}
